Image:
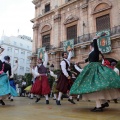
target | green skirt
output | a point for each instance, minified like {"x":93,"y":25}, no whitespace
{"x":95,"y":77}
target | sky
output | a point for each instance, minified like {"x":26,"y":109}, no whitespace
{"x":15,"y":16}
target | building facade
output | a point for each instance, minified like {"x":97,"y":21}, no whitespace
{"x":56,"y":21}
{"x":18,"y":48}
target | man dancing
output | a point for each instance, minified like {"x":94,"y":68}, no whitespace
{"x":41,"y":85}
{"x":64,"y":82}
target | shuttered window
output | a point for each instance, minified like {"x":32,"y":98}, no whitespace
{"x":46,"y":40}
{"x":47,"y":8}
{"x":72,"y":33}
{"x":103,"y":22}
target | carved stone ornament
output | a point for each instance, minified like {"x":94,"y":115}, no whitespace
{"x":101,"y":6}
{"x":46,"y":28}
{"x":35,"y":1}
{"x":70,"y":19}
{"x":84,"y":6}
{"x":57,"y":17}
{"x":35,"y":26}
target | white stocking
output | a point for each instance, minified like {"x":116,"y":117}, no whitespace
{"x":98,"y":103}
{"x":59,"y":96}
{"x":70,"y":97}
{"x":46,"y":97}
{"x":55,"y":96}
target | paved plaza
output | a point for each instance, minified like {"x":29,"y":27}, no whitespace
{"x":23,"y":108}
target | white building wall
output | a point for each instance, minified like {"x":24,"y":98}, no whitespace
{"x":18,"y":49}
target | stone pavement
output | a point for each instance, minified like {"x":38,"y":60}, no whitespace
{"x":23,"y":108}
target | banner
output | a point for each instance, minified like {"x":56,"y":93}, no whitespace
{"x":40,"y":53}
{"x":68,"y":44}
{"x":104,"y":42}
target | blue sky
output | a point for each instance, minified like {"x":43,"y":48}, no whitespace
{"x":15,"y":15}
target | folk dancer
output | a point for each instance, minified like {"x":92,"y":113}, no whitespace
{"x":63,"y":83}
{"x":41,"y":85}
{"x":96,"y":81}
{"x":54,"y":90}
{"x":5,"y":88}
{"x":11,"y":80}
{"x":77,"y":69}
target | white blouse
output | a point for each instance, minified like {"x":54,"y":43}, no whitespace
{"x":63,"y":64}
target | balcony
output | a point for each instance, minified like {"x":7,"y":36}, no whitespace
{"x":83,"y":39}
{"x":88,"y":37}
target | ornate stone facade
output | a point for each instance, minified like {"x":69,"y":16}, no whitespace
{"x":67,"y":13}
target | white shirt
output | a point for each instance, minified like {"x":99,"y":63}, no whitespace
{"x":63,"y":64}
{"x":116,"y":70}
{"x":53,"y":75}
{"x":77,"y":68}
{"x":13,"y":70}
{"x":35,"y":72}
{"x":23,"y":83}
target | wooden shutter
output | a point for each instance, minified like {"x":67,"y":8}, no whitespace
{"x":72,"y":32}
{"x":46,"y":40}
{"x":103,"y":22}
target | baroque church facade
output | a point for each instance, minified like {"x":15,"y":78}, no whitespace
{"x":56,"y":21}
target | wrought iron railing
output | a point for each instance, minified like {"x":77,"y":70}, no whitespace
{"x":85,"y":38}
{"x":115,"y":30}
{"x":88,"y":37}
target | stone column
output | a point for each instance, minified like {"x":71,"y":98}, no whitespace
{"x":35,"y":38}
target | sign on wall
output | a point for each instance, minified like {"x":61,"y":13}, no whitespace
{"x":69,"y":44}
{"x":104,"y":42}
{"x":40,"y":52}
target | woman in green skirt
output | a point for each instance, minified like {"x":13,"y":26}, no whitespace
{"x":96,"y":82}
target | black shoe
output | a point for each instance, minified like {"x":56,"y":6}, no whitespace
{"x":54,"y":99}
{"x":58,"y":102}
{"x":97,"y":109}
{"x":78,"y":99}
{"x":115,"y":100}
{"x":47,"y":101}
{"x":71,"y":100}
{"x":1,"y":101}
{"x":11,"y":99}
{"x":37,"y":100}
{"x":105,"y":105}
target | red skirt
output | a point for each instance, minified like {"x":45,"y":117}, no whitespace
{"x":64,"y":84}
{"x":41,"y":86}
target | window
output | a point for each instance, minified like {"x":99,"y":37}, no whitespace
{"x":46,"y":41}
{"x":27,"y":70}
{"x":21,"y":44}
{"x":28,"y":61}
{"x":15,"y":58}
{"x":103,"y":22}
{"x":28,"y":47}
{"x":15,"y":43}
{"x":22,"y":52}
{"x":29,"y":54}
{"x":22,"y":61}
{"x":67,"y":1}
{"x":21,"y":68}
{"x":16,"y":51}
{"x":47,"y":8}
{"x":9,"y":49}
{"x":72,"y":32}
